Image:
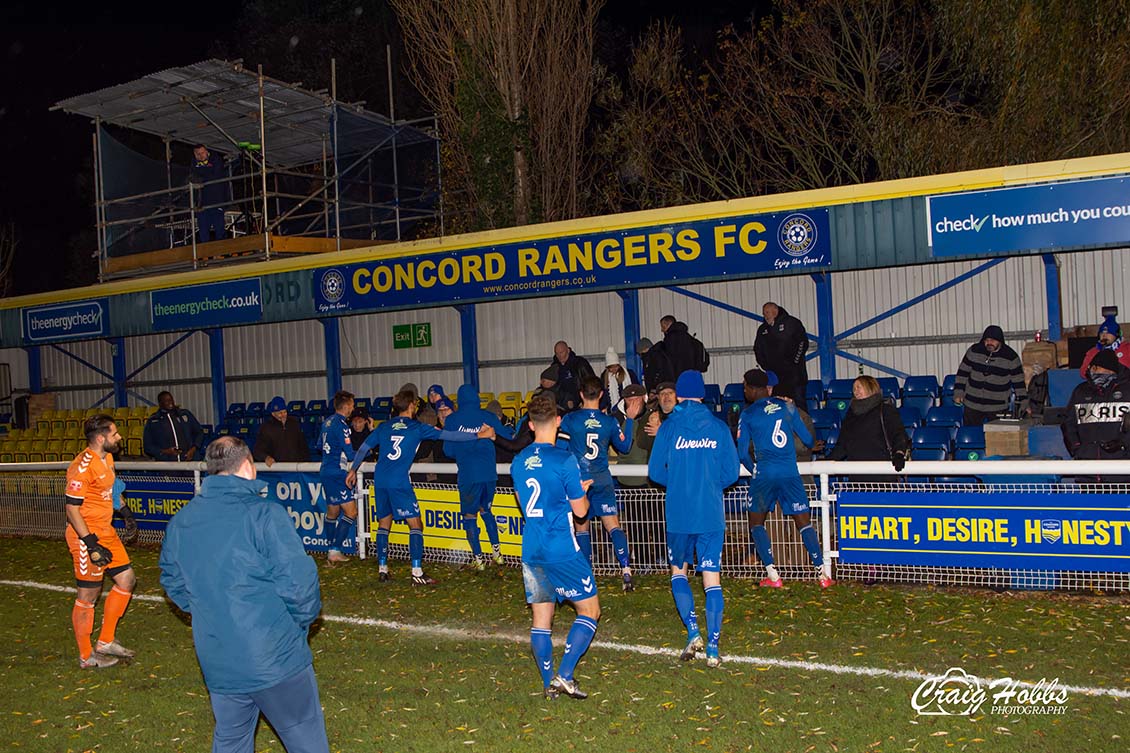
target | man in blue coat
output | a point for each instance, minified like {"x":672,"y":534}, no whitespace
{"x":695,"y":458}
{"x":478,"y":475}
{"x":172,"y":433}
{"x":233,"y":560}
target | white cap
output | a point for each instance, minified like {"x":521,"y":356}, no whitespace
{"x":611,"y":358}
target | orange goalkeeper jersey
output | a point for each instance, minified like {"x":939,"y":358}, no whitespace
{"x":91,"y":479}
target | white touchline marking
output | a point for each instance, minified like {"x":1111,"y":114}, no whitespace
{"x":439,"y":631}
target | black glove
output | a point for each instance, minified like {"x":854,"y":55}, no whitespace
{"x":100,"y":556}
{"x":1113,"y":446}
{"x":898,"y":460}
{"x":130,"y":525}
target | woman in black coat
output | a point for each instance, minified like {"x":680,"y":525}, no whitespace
{"x":872,"y":429}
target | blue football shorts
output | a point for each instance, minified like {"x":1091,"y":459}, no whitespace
{"x":401,"y":504}
{"x":551,"y":582}
{"x":602,"y":497}
{"x":765,"y":493}
{"x":682,"y":548}
{"x":475,"y":498}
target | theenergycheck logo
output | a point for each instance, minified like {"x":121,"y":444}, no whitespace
{"x":965,"y":224}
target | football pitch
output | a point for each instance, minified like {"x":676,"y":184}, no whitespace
{"x":448,"y":668}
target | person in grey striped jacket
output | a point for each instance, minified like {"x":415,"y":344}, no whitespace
{"x":989,"y":374}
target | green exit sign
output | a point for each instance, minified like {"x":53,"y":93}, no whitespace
{"x":412,"y":335}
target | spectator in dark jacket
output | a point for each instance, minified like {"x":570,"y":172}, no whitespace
{"x":172,"y":433}
{"x":1098,"y":414}
{"x":572,"y":370}
{"x":988,"y":375}
{"x":232,"y":559}
{"x":656,"y":365}
{"x":679,"y":345}
{"x":614,"y":380}
{"x":872,"y":428}
{"x":280,"y":440}
{"x":359,"y":431}
{"x":780,"y":347}
{"x":206,"y":170}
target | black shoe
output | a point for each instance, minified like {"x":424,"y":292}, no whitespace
{"x":570,"y":688}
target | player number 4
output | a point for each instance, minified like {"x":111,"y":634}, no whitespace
{"x":531,"y":507}
{"x":780,"y":438}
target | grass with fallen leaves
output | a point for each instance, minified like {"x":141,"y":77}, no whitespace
{"x":407,"y":690}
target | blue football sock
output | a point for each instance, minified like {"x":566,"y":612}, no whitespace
{"x":331,"y":533}
{"x":490,"y":523}
{"x":584,"y":540}
{"x":576,"y":644}
{"x":620,"y":546}
{"x":541,"y":641}
{"x":346,"y":527}
{"x":382,"y":546}
{"x":715,"y":603}
{"x":471,"y":527}
{"x":684,"y":602}
{"x":761,"y":542}
{"x":416,"y":547}
{"x":812,"y":544}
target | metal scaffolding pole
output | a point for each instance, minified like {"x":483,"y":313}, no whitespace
{"x":99,"y":198}
{"x":392,"y":118}
{"x":263,"y":158}
{"x":337,"y":175}
{"x":169,"y":186}
{"x":325,"y":185}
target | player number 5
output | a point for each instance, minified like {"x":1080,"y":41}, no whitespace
{"x":531,"y":507}
{"x":780,"y":438}
{"x":594,"y":450}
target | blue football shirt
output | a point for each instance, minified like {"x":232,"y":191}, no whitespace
{"x":545,"y":479}
{"x":769,"y":425}
{"x":591,"y":432}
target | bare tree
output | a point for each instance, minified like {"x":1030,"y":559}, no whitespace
{"x":530,"y":59}
{"x":8,"y":244}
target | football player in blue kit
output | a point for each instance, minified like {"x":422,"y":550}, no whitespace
{"x":591,"y":432}
{"x":547,"y":483}
{"x":478,"y":475}
{"x":765,"y":447}
{"x":337,"y":453}
{"x":694,"y":457}
{"x":393,"y":497}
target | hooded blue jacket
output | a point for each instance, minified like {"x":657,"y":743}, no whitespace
{"x":232,"y":558}
{"x":476,"y":460}
{"x":695,"y":458}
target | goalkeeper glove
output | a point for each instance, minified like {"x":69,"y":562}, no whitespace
{"x":100,"y":556}
{"x":898,"y":460}
{"x":129,"y":525}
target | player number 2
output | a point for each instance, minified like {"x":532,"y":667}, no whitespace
{"x":590,"y":442}
{"x":531,"y":507}
{"x":780,"y":438}
{"x":396,"y":447}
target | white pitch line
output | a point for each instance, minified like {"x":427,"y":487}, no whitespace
{"x":438,"y":631}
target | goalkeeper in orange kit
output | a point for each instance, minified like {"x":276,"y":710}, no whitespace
{"x":95,"y":547}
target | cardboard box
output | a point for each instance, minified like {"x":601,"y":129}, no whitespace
{"x":1006,"y":437}
{"x":1038,"y":357}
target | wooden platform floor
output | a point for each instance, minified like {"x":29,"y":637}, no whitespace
{"x":227,"y":249}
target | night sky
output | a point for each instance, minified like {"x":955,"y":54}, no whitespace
{"x":50,"y":53}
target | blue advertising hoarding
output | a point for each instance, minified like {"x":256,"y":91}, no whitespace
{"x":1032,"y":531}
{"x":1044,"y":217}
{"x":66,"y":321}
{"x":216,"y":304}
{"x":663,"y":254}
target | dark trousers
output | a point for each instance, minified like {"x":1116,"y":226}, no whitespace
{"x":972,"y":417}
{"x":210,"y":225}
{"x":292,"y":707}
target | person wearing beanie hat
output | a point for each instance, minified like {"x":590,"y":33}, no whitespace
{"x":765,"y":448}
{"x":1098,"y":415}
{"x":280,"y":439}
{"x":614,"y":380}
{"x":1110,"y":340}
{"x":989,"y":375}
{"x":695,"y":458}
{"x":657,"y":367}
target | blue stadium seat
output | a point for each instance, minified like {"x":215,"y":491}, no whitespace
{"x":255,"y":410}
{"x":362,"y":402}
{"x":947,"y":389}
{"x":932,"y":437}
{"x":733,"y":397}
{"x":928,"y":453}
{"x":911,"y":417}
{"x":889,"y":387}
{"x":921,"y":403}
{"x":236,"y":410}
{"x":382,"y":408}
{"x":969,"y":443}
{"x":317,"y":408}
{"x":825,"y":418}
{"x":713,"y":395}
{"x":945,"y":415}
{"x":921,"y":385}
{"x":296,"y":408}
{"x":814,"y":390}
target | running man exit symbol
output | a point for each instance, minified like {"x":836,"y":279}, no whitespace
{"x":422,"y":335}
